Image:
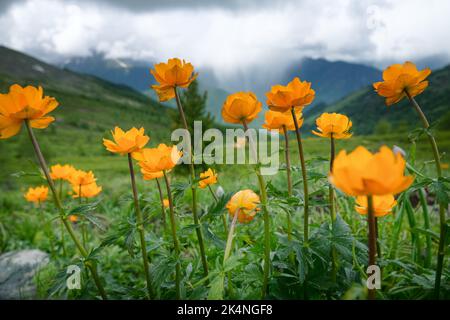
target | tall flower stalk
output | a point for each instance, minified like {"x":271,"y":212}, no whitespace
{"x":163,"y":207}
{"x":129,"y":143}
{"x":442,"y":209}
{"x":289,"y":178}
{"x":140,"y":227}
{"x":372,"y":240}
{"x":198,"y":228}
{"x":62,"y":214}
{"x":176,"y":246}
{"x":406,"y":81}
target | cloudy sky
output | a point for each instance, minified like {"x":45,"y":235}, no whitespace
{"x":230,"y":35}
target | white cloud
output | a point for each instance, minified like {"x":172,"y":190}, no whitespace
{"x":231,"y":38}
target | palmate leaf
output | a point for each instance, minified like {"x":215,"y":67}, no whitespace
{"x":441,"y":189}
{"x":217,"y":287}
{"x":83,"y":209}
{"x":178,"y":189}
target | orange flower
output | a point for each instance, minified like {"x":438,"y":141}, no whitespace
{"x":174,"y":73}
{"x":247,"y":202}
{"x":22,"y":104}
{"x":361,"y":173}
{"x":130,"y":141}
{"x":276,"y":120}
{"x":166,"y":203}
{"x":82,"y":178}
{"x":37,"y":195}
{"x":382,"y":205}
{"x":150,"y":175}
{"x":87,"y":191}
{"x":162,"y":158}
{"x":296,"y":94}
{"x":207,"y":178}
{"x":73,"y":218}
{"x":240,"y":107}
{"x":61,"y":172}
{"x":399,"y":79}
{"x":334,"y":124}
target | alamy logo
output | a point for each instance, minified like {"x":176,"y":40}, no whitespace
{"x":74,"y":279}
{"x":373,"y":277}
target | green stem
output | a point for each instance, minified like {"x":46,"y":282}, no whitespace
{"x":198,"y":228}
{"x":372,"y":240}
{"x":63,"y":242}
{"x":262,"y":188}
{"x":289,"y":179}
{"x":174,"y":237}
{"x":90,"y":265}
{"x":140,"y":227}
{"x":442,"y":208}
{"x":332,"y":211}
{"x":412,"y":224}
{"x":224,"y":218}
{"x":163,"y":209}
{"x":230,"y":237}
{"x":305,"y":179}
{"x":426,"y":221}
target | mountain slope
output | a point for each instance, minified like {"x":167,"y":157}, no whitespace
{"x":366,"y":109}
{"x":89,"y":109}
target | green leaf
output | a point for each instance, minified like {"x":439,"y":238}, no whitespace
{"x":84,"y":209}
{"x":217,"y":287}
{"x":442,"y":191}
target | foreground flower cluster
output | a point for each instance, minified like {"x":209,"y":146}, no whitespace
{"x":374,"y":179}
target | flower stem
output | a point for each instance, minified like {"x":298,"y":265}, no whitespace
{"x":442,"y":208}
{"x":426,"y":221}
{"x":140,"y":227}
{"x":174,"y":237}
{"x":230,"y":237}
{"x":289,"y":179}
{"x":332,"y":210}
{"x":89,"y":264}
{"x":163,"y":209}
{"x":372,"y":240}
{"x":63,"y":241}
{"x":224,"y":219}
{"x":198,"y":228}
{"x":305,"y":180}
{"x":262,"y":188}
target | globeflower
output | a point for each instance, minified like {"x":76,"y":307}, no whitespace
{"x":382,"y":205}
{"x":295,"y":94}
{"x":277,"y":121}
{"x":161,"y":158}
{"x":401,"y":80}
{"x":127,"y":142}
{"x":150,"y":175}
{"x":174,"y":73}
{"x":87,"y":191}
{"x":61,"y":172}
{"x":361,"y":173}
{"x":82,"y":178}
{"x":24,"y":104}
{"x":37,"y":195}
{"x":208,"y":177}
{"x":241,"y":107}
{"x":333,"y":125}
{"x":245,"y":204}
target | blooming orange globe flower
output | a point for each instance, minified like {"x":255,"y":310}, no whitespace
{"x":22,"y":104}
{"x":382,"y":205}
{"x":174,"y":73}
{"x":150,"y":175}
{"x":166,"y":203}
{"x":161,"y":158}
{"x":361,"y":173}
{"x":82,"y":178}
{"x":127,"y":142}
{"x":73,"y":218}
{"x":246,"y":201}
{"x":208,"y":177}
{"x":276,"y":121}
{"x":61,"y":172}
{"x":241,"y":107}
{"x":333,"y":124}
{"x":398,"y":79}
{"x":87,"y":191}
{"x":37,"y":195}
{"x":295,"y":94}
